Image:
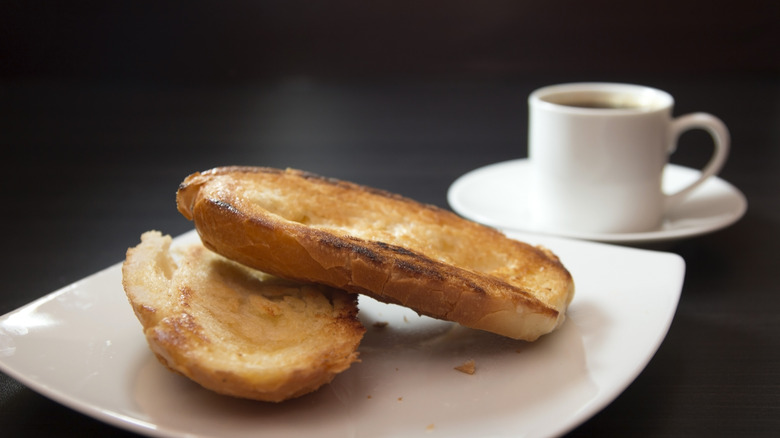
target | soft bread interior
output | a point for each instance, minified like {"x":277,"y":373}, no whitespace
{"x":235,"y":330}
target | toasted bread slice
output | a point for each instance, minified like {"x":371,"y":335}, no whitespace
{"x":235,"y":330}
{"x":302,"y":226}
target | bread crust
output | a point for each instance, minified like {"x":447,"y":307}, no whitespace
{"x":237,"y":331}
{"x":302,"y":226}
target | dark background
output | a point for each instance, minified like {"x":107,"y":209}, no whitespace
{"x":105,"y":106}
{"x":232,"y":42}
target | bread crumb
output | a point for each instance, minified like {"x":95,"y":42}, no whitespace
{"x":369,"y":396}
{"x":400,"y":399}
{"x":468,"y":367}
{"x":429,"y":428}
{"x":380,"y":324}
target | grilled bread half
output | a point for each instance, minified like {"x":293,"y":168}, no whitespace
{"x":235,"y":330}
{"x":305,"y":227}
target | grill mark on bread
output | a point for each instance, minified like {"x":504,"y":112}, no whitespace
{"x":418,"y":269}
{"x":355,"y":246}
{"x":224,"y":205}
{"x":396,"y":249}
{"x":476,"y":288}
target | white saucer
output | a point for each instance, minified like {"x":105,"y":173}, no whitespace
{"x":496,"y":195}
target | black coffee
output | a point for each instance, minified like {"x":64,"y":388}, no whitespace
{"x":599,"y":104}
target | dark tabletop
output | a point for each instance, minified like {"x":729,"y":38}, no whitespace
{"x":105,"y":109}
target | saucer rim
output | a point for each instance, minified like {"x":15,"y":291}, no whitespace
{"x":658,"y":235}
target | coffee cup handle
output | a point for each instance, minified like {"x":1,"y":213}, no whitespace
{"x":722,"y":141}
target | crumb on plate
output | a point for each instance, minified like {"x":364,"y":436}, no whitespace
{"x":468,"y":367}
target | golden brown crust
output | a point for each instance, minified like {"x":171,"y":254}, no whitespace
{"x":235,"y":330}
{"x":298,"y":225}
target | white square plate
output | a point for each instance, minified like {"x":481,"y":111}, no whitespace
{"x":83,"y":347}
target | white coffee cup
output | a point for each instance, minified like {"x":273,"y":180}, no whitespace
{"x":598,"y":151}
